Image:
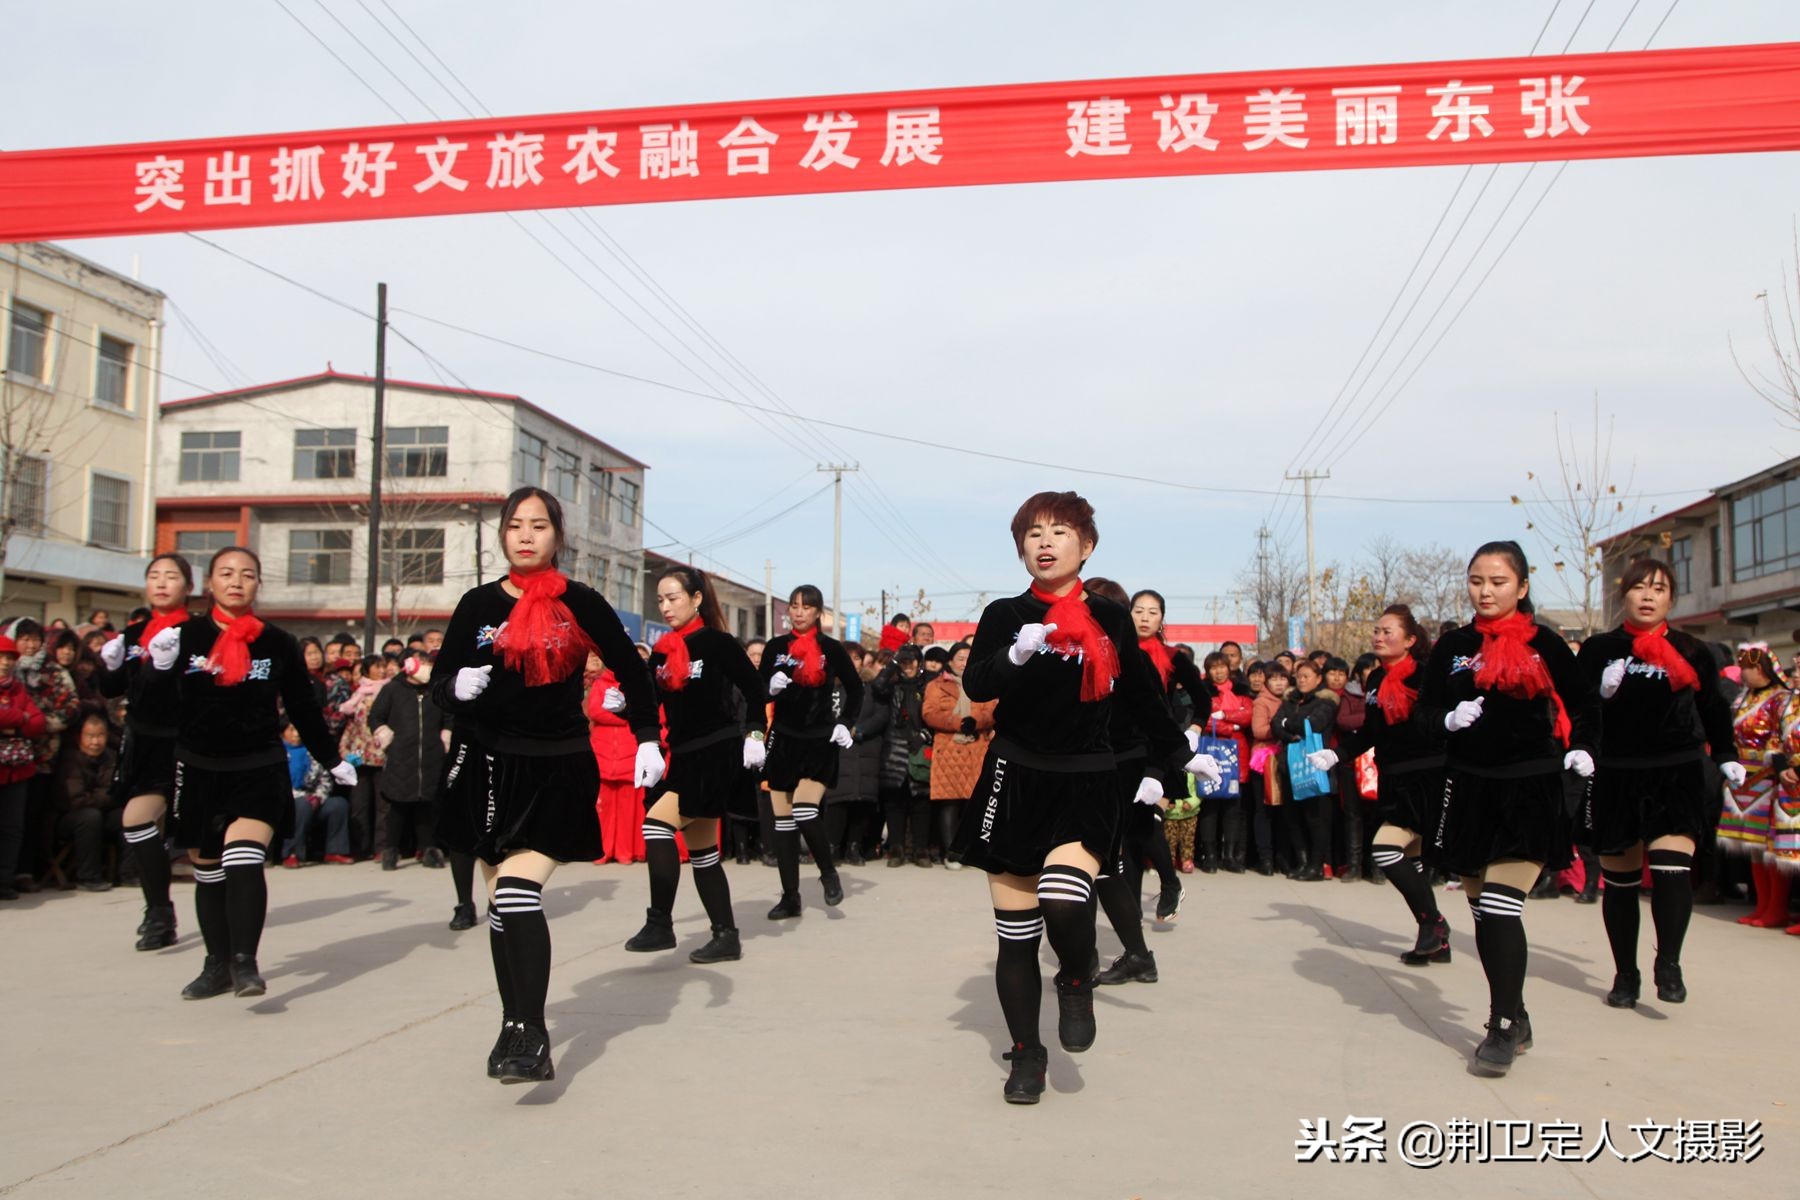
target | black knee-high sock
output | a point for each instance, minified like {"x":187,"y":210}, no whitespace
{"x":663,"y":857}
{"x":1066,"y":900}
{"x":1500,"y":937}
{"x":806,"y":816}
{"x":145,"y":845}
{"x":526,"y":935}
{"x":1408,"y":880}
{"x":462,"y":875}
{"x":714,"y":888}
{"x":1124,"y":912}
{"x":503,"y":981}
{"x":787,"y":853}
{"x":1016,"y":975}
{"x":246,"y":893}
{"x":1671,"y":901}
{"x":1619,"y":912}
{"x":211,"y":912}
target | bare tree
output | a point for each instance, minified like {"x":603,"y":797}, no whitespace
{"x":1273,"y":587}
{"x":1434,"y":585}
{"x":1779,"y":385}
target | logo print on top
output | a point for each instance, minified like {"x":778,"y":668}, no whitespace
{"x":485,"y":635}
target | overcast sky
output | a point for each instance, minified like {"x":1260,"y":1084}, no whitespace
{"x":1187,"y":329}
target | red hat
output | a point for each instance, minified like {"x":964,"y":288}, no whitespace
{"x":7,"y":645}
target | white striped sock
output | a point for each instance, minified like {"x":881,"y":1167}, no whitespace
{"x":1388,"y":857}
{"x":805,"y":812}
{"x":209,"y":875}
{"x":141,"y":833}
{"x":657,"y":831}
{"x":518,"y":900}
{"x":1501,"y":906}
{"x":243,"y":857}
{"x":701,"y":859}
{"x":784,"y":825}
{"x":1020,"y":931}
{"x":494,"y":921}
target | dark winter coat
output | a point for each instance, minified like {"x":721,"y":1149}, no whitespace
{"x":416,"y":754}
{"x":906,"y":732}
{"x":859,"y":767}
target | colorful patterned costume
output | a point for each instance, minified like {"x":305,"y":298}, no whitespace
{"x":1756,"y":720}
{"x":1784,"y":813}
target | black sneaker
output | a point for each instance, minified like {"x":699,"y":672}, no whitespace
{"x":834,"y":890}
{"x":787,"y":906}
{"x":1129,"y":968}
{"x":1168,"y":905}
{"x":245,"y":978}
{"x":502,"y":1048}
{"x":1432,"y":946}
{"x":463,"y":917}
{"x":214,"y":979}
{"x":1625,"y":989}
{"x":390,"y":859}
{"x":1075,"y":1013}
{"x":1669,"y":986}
{"x":1506,"y":1040}
{"x":658,"y":933}
{"x":725,"y":946}
{"x":527,"y":1059}
{"x":158,"y":929}
{"x":1025,"y":1082}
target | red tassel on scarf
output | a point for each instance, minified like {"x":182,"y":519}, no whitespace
{"x":230,"y":660}
{"x":1395,"y":698}
{"x":673,"y":674}
{"x":1078,"y":633}
{"x":1651,"y":645}
{"x":811,"y":656}
{"x":1160,"y":658}
{"x":1511,"y":667}
{"x":541,"y":640}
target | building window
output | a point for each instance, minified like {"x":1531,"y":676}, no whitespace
{"x":599,"y":569}
{"x":418,"y":554}
{"x":419,"y":451}
{"x":109,"y":512}
{"x":600,"y":490}
{"x":319,"y":556}
{"x":199,"y":545}
{"x":565,"y":476}
{"x":26,"y":352}
{"x":743,"y":625}
{"x":568,"y":561}
{"x":1681,"y":561}
{"x":625,"y":584}
{"x":1765,"y":531}
{"x":210,"y":457}
{"x":1717,"y":536}
{"x":324,"y":453}
{"x":30,"y":492}
{"x":627,"y":494}
{"x":528,"y":467}
{"x":112,"y":373}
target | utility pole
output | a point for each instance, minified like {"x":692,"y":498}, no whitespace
{"x":884,"y":608}
{"x":1262,"y":583}
{"x":370,"y":638}
{"x":837,"y":544}
{"x":768,"y":598}
{"x":1307,"y":478}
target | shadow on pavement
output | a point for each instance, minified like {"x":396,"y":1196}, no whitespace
{"x":980,"y":1014}
{"x":325,"y":906}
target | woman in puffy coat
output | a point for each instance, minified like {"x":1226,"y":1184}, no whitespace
{"x":1309,"y":705}
{"x":961,"y":730}
{"x":620,"y":806}
{"x":20,"y":725}
{"x":901,"y":685}
{"x":1221,"y":837}
{"x":851,"y":803}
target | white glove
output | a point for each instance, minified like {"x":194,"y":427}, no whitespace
{"x":1580,"y":762}
{"x":163,"y":648}
{"x":1322,"y":760}
{"x":1463,"y":715}
{"x":1030,"y":640}
{"x":1611,"y":678}
{"x":1149,"y":791}
{"x":345,"y":773}
{"x":840,"y":737}
{"x":649,"y":771}
{"x":1205,"y":766}
{"x":1734,"y":773}
{"x":755,"y":754}
{"x":778,"y":683}
{"x":384,"y":737}
{"x":1193,"y":737}
{"x":613,"y":701}
{"x":112,"y":654}
{"x":472,"y":681}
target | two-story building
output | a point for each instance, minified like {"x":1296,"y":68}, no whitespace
{"x":283,"y":468}
{"x":78,"y":408}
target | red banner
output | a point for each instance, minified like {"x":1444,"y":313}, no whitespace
{"x":1710,"y":100}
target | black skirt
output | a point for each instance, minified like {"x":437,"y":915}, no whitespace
{"x":1019,"y":814}
{"x":1138,"y":823}
{"x":496,"y":804}
{"x":703,"y":779}
{"x":1629,"y":805}
{"x":1410,"y":799}
{"x":792,"y":759}
{"x":205,"y":802}
{"x":146,"y":767}
{"x":1485,"y":819}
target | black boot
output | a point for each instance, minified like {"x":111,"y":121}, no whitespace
{"x":658,"y":933}
{"x":1506,"y":1040}
{"x":463,"y":917}
{"x":246,"y":980}
{"x":1432,"y":946}
{"x":214,"y":980}
{"x":1129,"y":968}
{"x":1168,"y":905}
{"x":1625,"y":989}
{"x":158,"y":929}
{"x":787,"y":906}
{"x":1209,"y":863}
{"x":528,"y":1058}
{"x":896,"y":856}
{"x":1025,"y":1082}
{"x":390,"y":859}
{"x":1669,"y":987}
{"x":725,"y":946}
{"x":502,"y":1048}
{"x":834,"y":889}
{"x":1075,"y":1012}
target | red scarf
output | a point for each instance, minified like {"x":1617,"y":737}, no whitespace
{"x":1651,"y":645}
{"x":230,"y":659}
{"x":1509,"y":666}
{"x":806,"y":650}
{"x":1158,"y":650}
{"x":541,"y":640}
{"x":1078,"y":633}
{"x":1394,"y":697}
{"x":160,"y":622}
{"x":673,"y":674}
